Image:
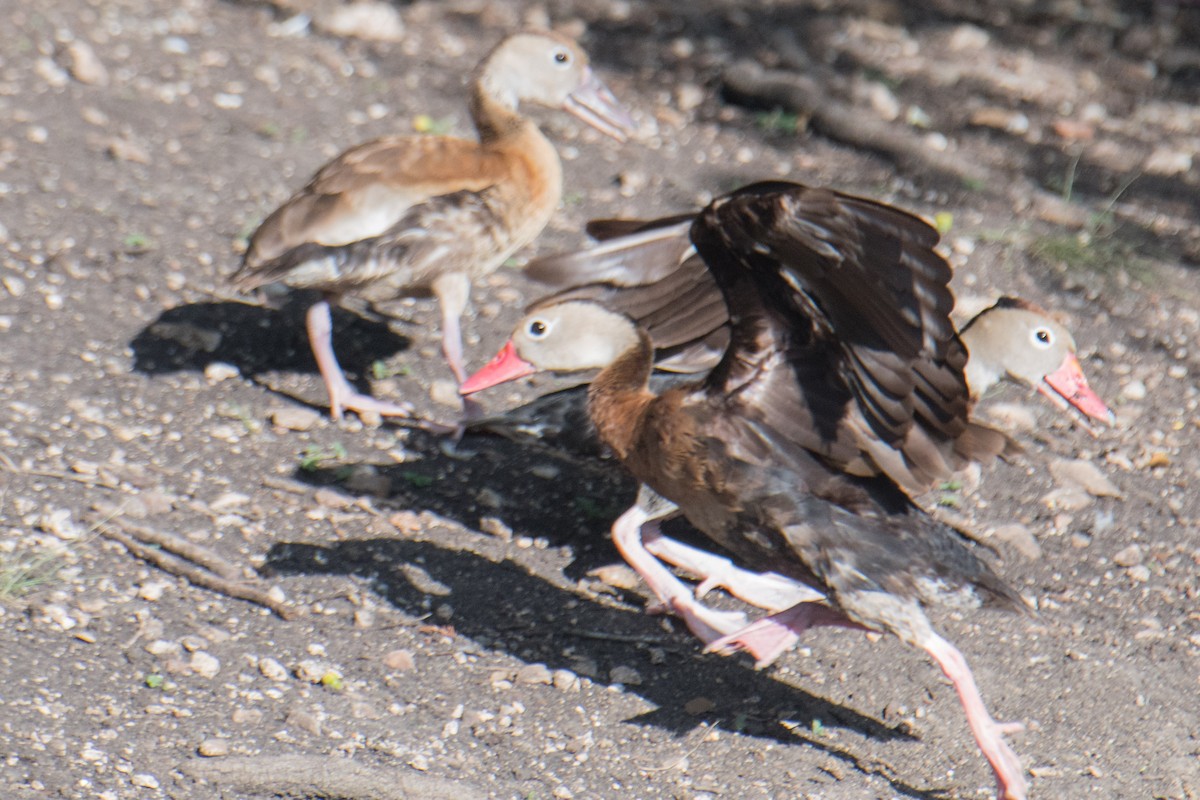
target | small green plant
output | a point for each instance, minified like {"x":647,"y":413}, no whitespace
{"x":943,"y":221}
{"x":949,"y":501}
{"x":154,"y":681}
{"x":315,"y":455}
{"x":20,"y":576}
{"x":779,"y":121}
{"x":269,"y":130}
{"x":418,"y":480}
{"x":951,"y":485}
{"x":332,"y":680}
{"x":381,"y":370}
{"x":974,"y":184}
{"x":818,"y":728}
{"x":136,"y":242}
{"x":423,"y":123}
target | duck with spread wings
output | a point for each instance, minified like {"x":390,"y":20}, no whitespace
{"x":841,"y":387}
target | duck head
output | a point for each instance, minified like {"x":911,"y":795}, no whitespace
{"x":551,"y":70}
{"x":1018,"y":341}
{"x":566,"y":337}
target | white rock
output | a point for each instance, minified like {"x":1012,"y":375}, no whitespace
{"x":1021,"y":539}
{"x":272,"y":670}
{"x":626,"y":675}
{"x":205,"y":664}
{"x":1165,"y":161}
{"x":373,"y":21}
{"x":85,"y":65}
{"x":294,"y":418}
{"x":144,"y":780}
{"x":1084,"y":475}
{"x":1128,"y":556}
{"x":218,"y":371}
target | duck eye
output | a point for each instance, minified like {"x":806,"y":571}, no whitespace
{"x":1042,"y":337}
{"x":538,"y":329}
{"x":562,"y":57}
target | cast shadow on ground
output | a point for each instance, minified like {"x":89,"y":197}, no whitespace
{"x":538,"y":622}
{"x":570,"y":502}
{"x":257,"y":339}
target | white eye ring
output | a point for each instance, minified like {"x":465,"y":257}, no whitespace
{"x":561,"y":56}
{"x":1042,"y":337}
{"x":537,"y":329}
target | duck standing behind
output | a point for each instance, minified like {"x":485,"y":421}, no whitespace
{"x":405,"y":214}
{"x":841,"y":384}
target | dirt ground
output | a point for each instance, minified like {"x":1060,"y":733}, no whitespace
{"x":460,"y":628}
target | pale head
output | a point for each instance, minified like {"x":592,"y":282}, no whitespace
{"x":565,"y":337}
{"x":1017,"y":341}
{"x":551,"y":70}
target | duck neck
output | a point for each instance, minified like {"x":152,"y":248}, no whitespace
{"x":620,"y":396}
{"x":979,"y":372}
{"x":494,"y":109}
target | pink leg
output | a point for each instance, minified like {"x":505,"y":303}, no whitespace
{"x":342,"y":396}
{"x":768,"y":590}
{"x":454,"y":292}
{"x":989,"y":735}
{"x":770,"y":637}
{"x":708,"y":624}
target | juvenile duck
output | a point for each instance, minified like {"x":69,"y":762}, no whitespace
{"x":412,"y":214}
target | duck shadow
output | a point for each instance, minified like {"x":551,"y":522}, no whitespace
{"x":257,"y":339}
{"x":539,"y":622}
{"x":570,"y":503}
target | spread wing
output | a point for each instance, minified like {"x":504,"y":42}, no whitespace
{"x":841,"y":339}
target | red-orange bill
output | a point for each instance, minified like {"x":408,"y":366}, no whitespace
{"x":506,"y":366}
{"x":1067,"y":384}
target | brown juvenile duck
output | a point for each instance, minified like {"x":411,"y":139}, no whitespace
{"x":406,"y":214}
{"x":842,"y":386}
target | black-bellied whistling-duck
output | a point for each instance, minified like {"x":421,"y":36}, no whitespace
{"x":431,"y":213}
{"x":841,"y":385}
{"x":1018,"y":341}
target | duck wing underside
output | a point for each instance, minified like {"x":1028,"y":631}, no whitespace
{"x":448,"y":233}
{"x":839,"y":299}
{"x":637,"y":258}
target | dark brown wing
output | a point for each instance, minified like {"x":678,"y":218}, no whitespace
{"x":842,"y":338}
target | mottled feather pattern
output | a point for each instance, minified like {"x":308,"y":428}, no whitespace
{"x":425,"y":240}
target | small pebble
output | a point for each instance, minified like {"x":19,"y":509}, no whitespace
{"x":214,"y":747}
{"x":445,"y":393}
{"x":218,"y":371}
{"x":205,"y":665}
{"x":152,"y":591}
{"x":1021,"y":539}
{"x":1134,"y":390}
{"x":399,"y":660}
{"x":272,"y":670}
{"x":144,"y":780}
{"x":1129,"y":556}
{"x":1139,"y":573}
{"x":565,"y":680}
{"x":625,"y":675}
{"x":85,"y":65}
{"x":493,"y":526}
{"x":294,"y":418}
{"x":535,"y":674}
